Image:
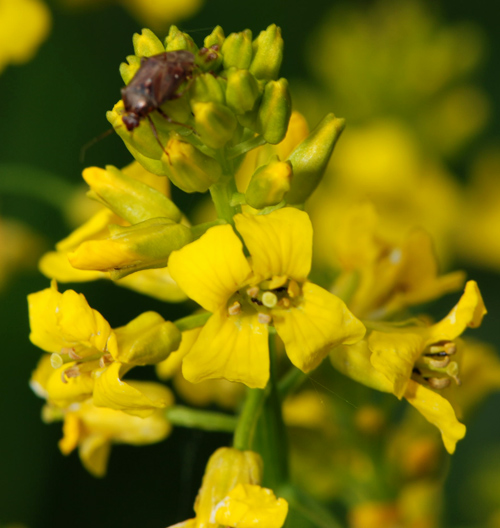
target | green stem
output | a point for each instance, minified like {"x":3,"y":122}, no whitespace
{"x":247,"y":423}
{"x":24,"y":180}
{"x":192,"y":321}
{"x":198,"y":419}
{"x":222,"y":193}
{"x":246,"y":146}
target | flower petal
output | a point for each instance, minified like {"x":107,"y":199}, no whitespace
{"x":394,"y":354}
{"x":212,"y":268}
{"x":468,"y":312}
{"x":438,"y":412}
{"x":231,"y":347}
{"x":139,"y":398}
{"x":280,"y":243}
{"x":320,"y":322}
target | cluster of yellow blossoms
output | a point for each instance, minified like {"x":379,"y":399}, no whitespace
{"x":231,"y":131}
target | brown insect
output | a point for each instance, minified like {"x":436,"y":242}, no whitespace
{"x":155,"y":82}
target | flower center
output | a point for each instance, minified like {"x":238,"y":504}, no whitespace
{"x":270,"y":295}
{"x":435,"y":367}
{"x":80,"y":365}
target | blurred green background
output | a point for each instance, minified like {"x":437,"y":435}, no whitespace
{"x":50,"y":108}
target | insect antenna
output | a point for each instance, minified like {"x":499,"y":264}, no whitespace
{"x":92,"y":142}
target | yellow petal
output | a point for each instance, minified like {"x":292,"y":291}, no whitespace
{"x":64,"y":393}
{"x":249,"y":505}
{"x":156,"y":283}
{"x":468,"y":312}
{"x":94,"y":453}
{"x":438,"y":412}
{"x":71,"y":433}
{"x":394,"y":354}
{"x":280,"y":243}
{"x":55,"y":265}
{"x":138,"y":398}
{"x":231,"y":347}
{"x":170,"y":366}
{"x":66,"y":321}
{"x":354,"y":361}
{"x":318,"y":323}
{"x":212,"y":268}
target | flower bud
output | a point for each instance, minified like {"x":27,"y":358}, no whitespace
{"x":177,"y":40}
{"x":209,"y":59}
{"x":215,"y":123}
{"x":205,"y":88}
{"x":237,"y":50}
{"x":267,"y":54}
{"x":188,"y":168}
{"x":128,"y":71}
{"x":127,"y":197}
{"x":242,"y":91}
{"x":226,"y":469}
{"x":147,"y":44}
{"x":310,"y":158}
{"x":128,"y":249}
{"x":269,"y":184}
{"x":147,"y":339}
{"x":275,"y":110}
{"x":216,"y":38}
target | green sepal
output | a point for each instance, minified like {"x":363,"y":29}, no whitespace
{"x":242,"y":91}
{"x":147,"y":340}
{"x":267,"y":54}
{"x":310,"y":158}
{"x":275,"y":111}
{"x":177,"y":40}
{"x":215,"y":123}
{"x":147,"y":44}
{"x":205,"y":87}
{"x":237,"y":50}
{"x":127,"y":197}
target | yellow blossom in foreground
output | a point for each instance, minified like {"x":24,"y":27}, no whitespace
{"x":410,"y":361}
{"x":246,"y":295}
{"x":387,"y":277}
{"x":24,"y":25}
{"x":93,"y":429}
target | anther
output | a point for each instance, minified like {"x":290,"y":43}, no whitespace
{"x":106,"y":359}
{"x":438,"y":383}
{"x":437,"y":363}
{"x":293,"y":289}
{"x":73,"y":355}
{"x":56,"y":360}
{"x":264,"y":318}
{"x":284,"y":302}
{"x":452,"y":371}
{"x":269,"y":299}
{"x":253,"y":292}
{"x":234,"y":309}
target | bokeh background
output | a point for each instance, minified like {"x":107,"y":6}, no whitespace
{"x":419,"y":86}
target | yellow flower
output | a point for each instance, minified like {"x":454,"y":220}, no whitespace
{"x":411,"y":361}
{"x":24,"y":25}
{"x":93,"y":429}
{"x":230,"y":494}
{"x":156,"y":283}
{"x":246,"y":295}
{"x":90,"y":358}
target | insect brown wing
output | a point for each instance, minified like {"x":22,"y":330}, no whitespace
{"x":176,"y":67}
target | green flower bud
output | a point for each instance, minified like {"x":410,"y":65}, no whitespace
{"x":209,"y":59}
{"x":177,"y":40}
{"x":237,"y":50}
{"x":215,"y":123}
{"x":128,"y":71}
{"x":127,"y":197}
{"x":205,"y":87}
{"x":310,"y":158}
{"x":147,"y":44}
{"x":216,"y":38}
{"x":267,"y":54}
{"x":146,"y":340}
{"x":132,"y":248}
{"x":269,"y":184}
{"x":188,"y":168}
{"x":242,"y":91}
{"x":275,"y":111}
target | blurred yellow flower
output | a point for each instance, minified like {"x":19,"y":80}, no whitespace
{"x":245,"y":297}
{"x":24,"y":25}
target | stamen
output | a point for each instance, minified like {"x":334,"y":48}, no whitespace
{"x":234,"y":309}
{"x":450,"y":348}
{"x":293,"y":289}
{"x":56,"y":360}
{"x":253,"y":292}
{"x":269,"y":299}
{"x":264,"y":318}
{"x":284,"y":303}
{"x":105,"y":360}
{"x":452,"y":371}
{"x":437,"y":363}
{"x":73,"y":355}
{"x":438,"y":383}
